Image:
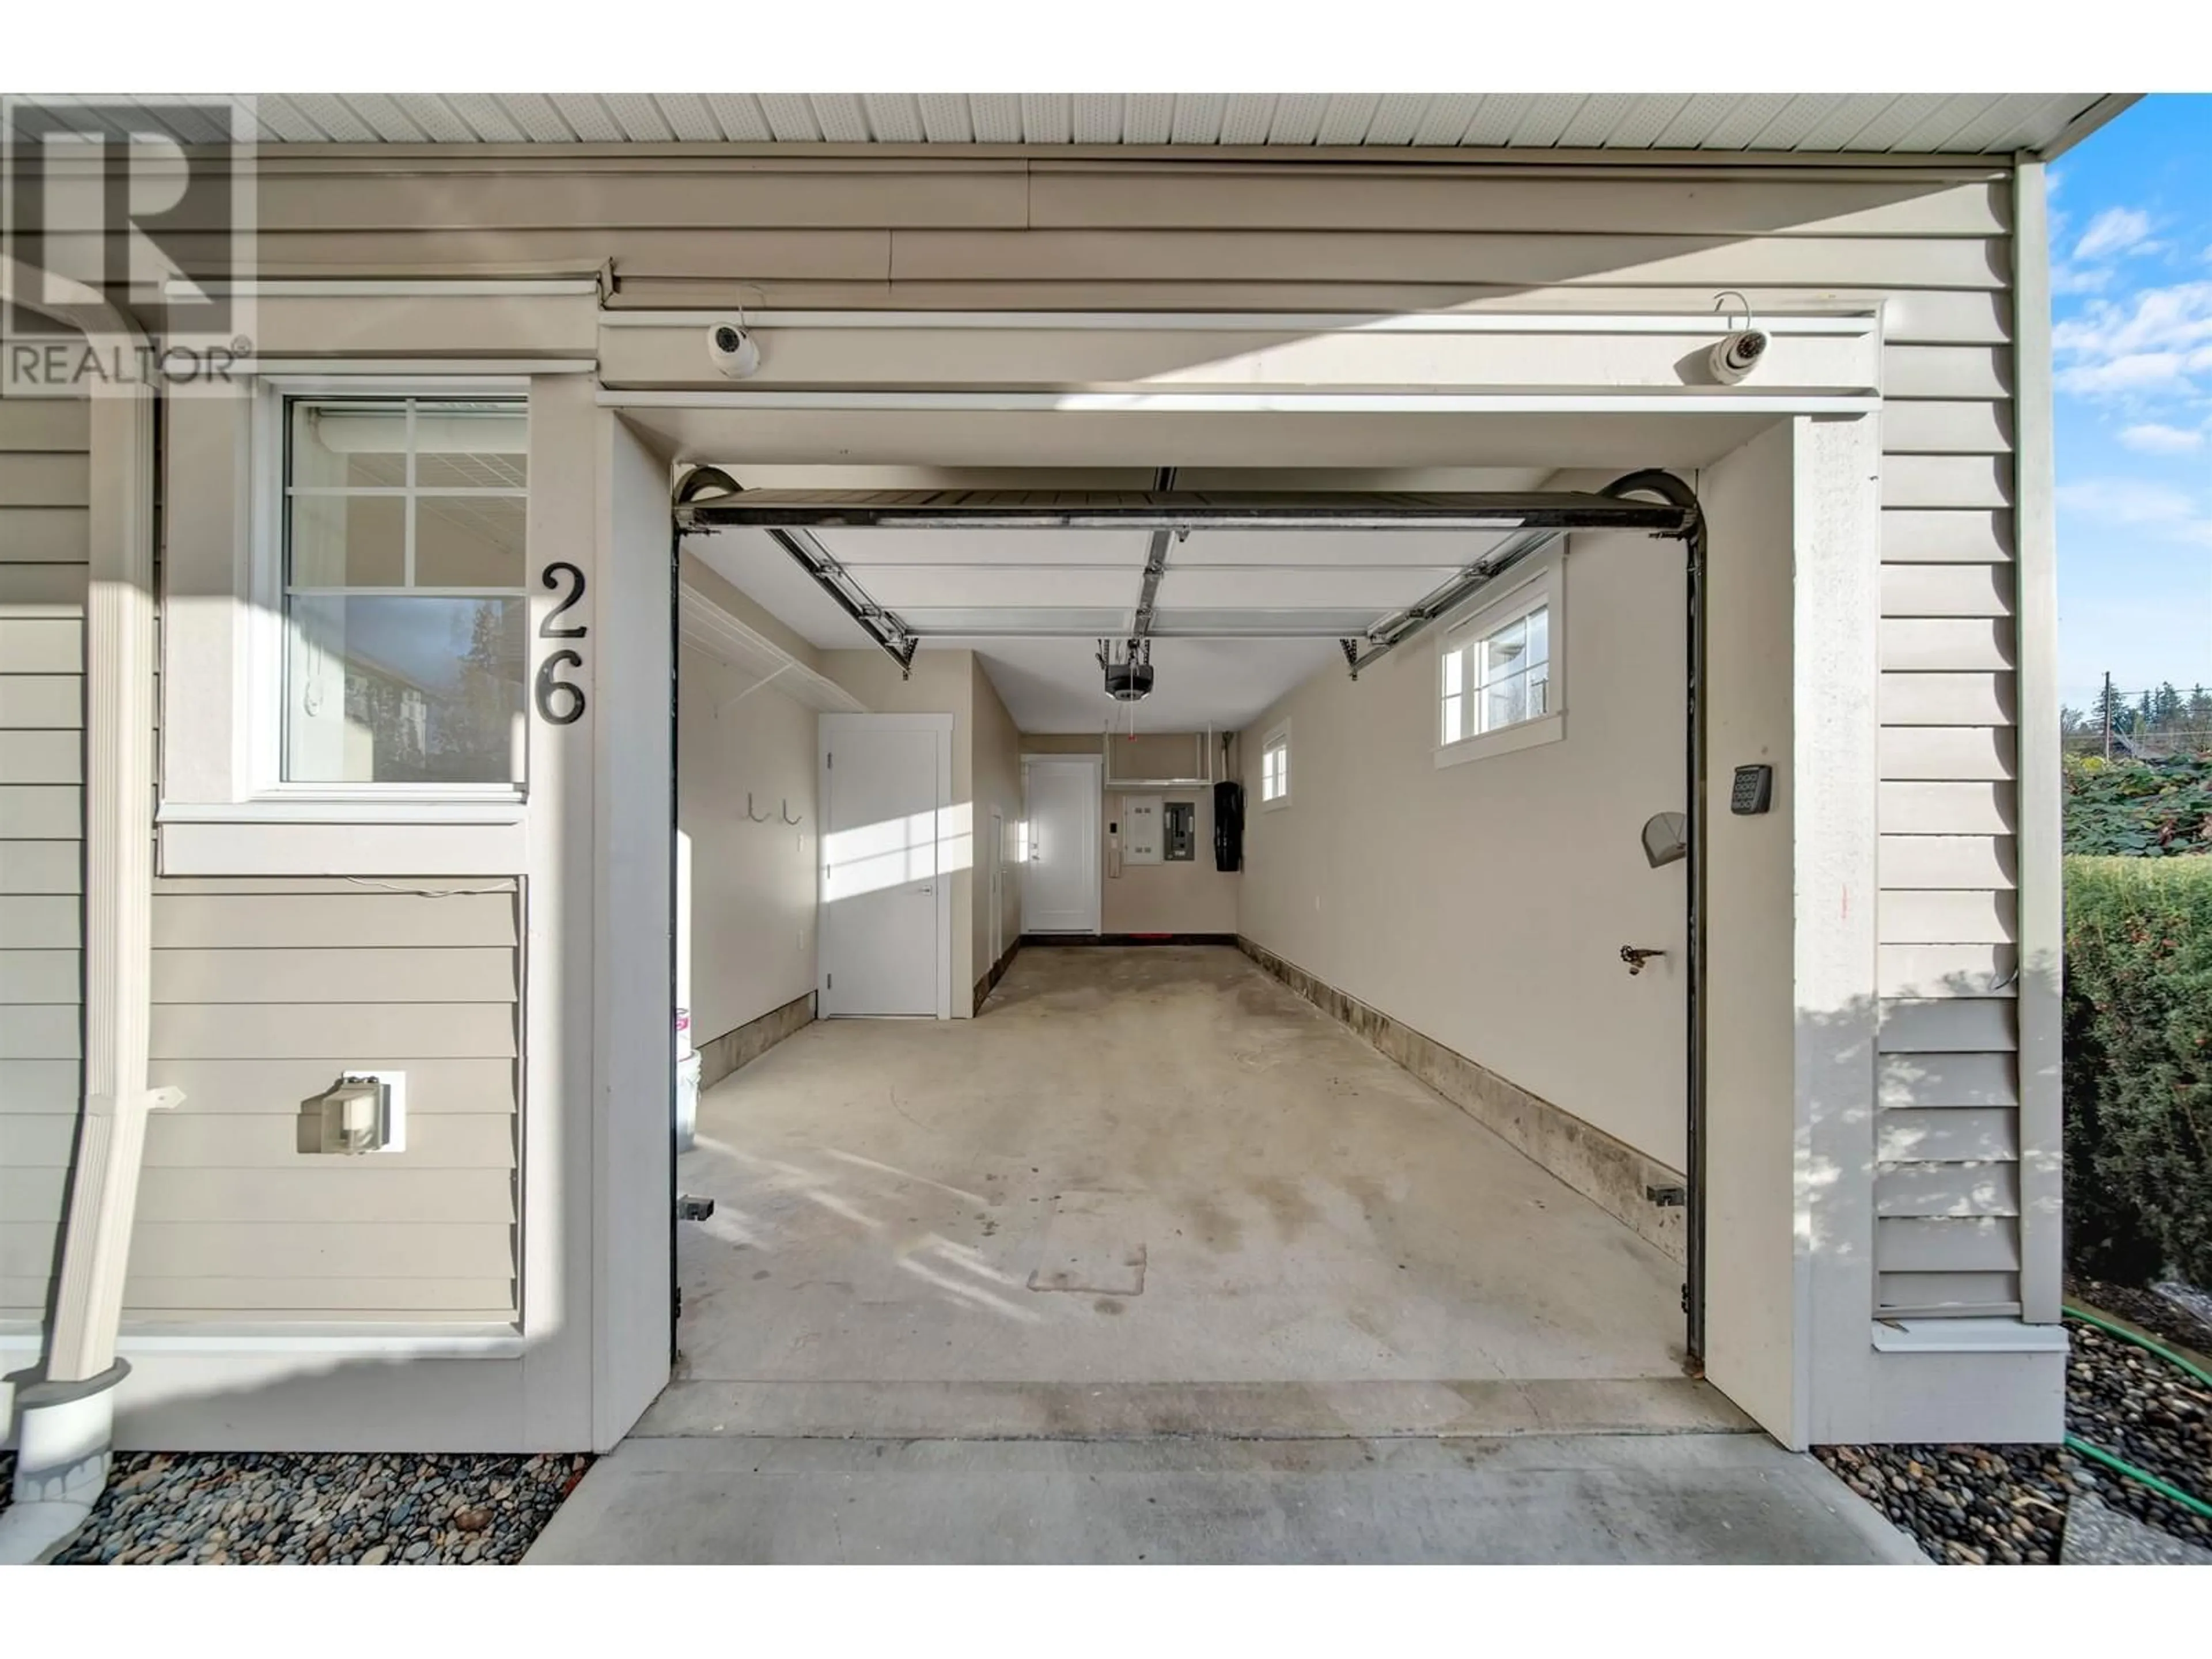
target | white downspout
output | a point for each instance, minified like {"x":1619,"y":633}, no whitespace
{"x":65,"y":1420}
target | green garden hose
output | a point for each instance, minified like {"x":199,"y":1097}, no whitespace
{"x":2120,"y":1465}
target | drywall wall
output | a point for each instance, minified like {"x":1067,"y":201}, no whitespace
{"x":752,"y":884}
{"x":942,"y":683}
{"x":998,"y":779}
{"x":1163,"y":898}
{"x":1485,"y":904}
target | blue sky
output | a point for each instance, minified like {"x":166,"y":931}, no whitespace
{"x":2131,"y":280}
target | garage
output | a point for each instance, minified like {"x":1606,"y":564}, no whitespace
{"x":1069,"y":1132}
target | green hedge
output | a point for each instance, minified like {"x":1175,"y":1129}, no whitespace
{"x":2139,"y":1068}
{"x":2139,"y":808}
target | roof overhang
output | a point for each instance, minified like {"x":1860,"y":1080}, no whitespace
{"x":1558,"y":126}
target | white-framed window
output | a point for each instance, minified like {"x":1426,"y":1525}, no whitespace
{"x":400,"y":571}
{"x":1501,"y":681}
{"x":1275,"y":767}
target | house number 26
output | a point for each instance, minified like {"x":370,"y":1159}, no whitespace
{"x":560,"y":703}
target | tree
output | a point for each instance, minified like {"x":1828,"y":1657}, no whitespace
{"x":2110,"y":711}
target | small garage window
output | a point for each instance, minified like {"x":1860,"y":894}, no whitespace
{"x":1499,"y":680}
{"x":1275,"y":767}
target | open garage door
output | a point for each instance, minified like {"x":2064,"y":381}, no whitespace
{"x":1231,"y":599}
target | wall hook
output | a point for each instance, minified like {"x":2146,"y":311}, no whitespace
{"x":757,"y":817}
{"x":787,"y":818}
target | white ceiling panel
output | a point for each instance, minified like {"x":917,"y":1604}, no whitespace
{"x":1452,"y":550}
{"x":1232,"y":586}
{"x":1054,"y":685}
{"x":1122,"y":549}
{"x":903,"y":586}
{"x":761,"y":568}
{"x":1060,"y":621}
{"x":1264,"y":621}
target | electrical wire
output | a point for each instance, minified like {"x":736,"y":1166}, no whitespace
{"x":2119,"y":1465}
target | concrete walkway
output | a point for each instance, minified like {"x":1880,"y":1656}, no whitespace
{"x":1605,"y":1500}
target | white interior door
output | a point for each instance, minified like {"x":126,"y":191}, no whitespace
{"x":1059,"y":889}
{"x":883,"y":803}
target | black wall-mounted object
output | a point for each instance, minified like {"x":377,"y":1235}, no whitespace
{"x":1227,"y":826}
{"x":1753,"y":791}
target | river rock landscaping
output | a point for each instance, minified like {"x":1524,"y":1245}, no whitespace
{"x":2009,"y":1504}
{"x":296,"y":1507}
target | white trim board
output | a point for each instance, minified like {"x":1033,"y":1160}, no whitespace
{"x":397,"y":288}
{"x":441,"y":370}
{"x":1845,"y":322}
{"x":1690,"y":400}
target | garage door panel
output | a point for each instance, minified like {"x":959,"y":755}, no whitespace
{"x":1438,"y":549}
{"x":896,"y":546}
{"x":1378,"y":587}
{"x":919,"y":586}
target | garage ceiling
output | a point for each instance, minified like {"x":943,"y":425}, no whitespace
{"x":1243,"y":615}
{"x":1919,"y":123}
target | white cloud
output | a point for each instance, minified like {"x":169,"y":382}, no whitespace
{"x":2079,"y":279}
{"x":2156,"y":509}
{"x":2152,"y":340}
{"x":2128,"y":501}
{"x":2153,"y":439}
{"x":2138,"y":372}
{"x":2116,"y":230}
{"x":2152,"y":319}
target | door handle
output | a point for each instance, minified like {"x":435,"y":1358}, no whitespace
{"x":1637,"y":955}
{"x":926,"y":889}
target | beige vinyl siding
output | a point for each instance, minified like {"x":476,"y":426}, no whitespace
{"x":1948,"y":1138}
{"x":266,"y":989}
{"x":1055,"y":234}
{"x":44,"y":554}
{"x":1948,"y":1142}
{"x":1929,"y":245}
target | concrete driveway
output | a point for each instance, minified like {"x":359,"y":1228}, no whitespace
{"x":1655,"y":1499}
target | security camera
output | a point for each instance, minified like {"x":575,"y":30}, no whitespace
{"x":731,"y":348}
{"x":1737,"y":355}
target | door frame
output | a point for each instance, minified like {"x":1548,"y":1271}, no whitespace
{"x":1095,"y":766}
{"x":997,"y":845}
{"x":827,"y":726}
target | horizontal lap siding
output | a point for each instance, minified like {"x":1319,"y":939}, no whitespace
{"x":1049,"y":234}
{"x":264,"y":991}
{"x":1947,"y":1135}
{"x":1930,"y":246}
{"x":45,"y":550}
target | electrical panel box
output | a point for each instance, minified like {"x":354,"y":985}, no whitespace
{"x":1141,"y":829}
{"x":1181,"y":832}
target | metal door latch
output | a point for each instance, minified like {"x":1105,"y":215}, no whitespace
{"x":1637,"y":955}
{"x":689,"y":1208}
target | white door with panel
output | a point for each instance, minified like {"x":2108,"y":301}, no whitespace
{"x":1060,"y":888}
{"x":885,"y":787}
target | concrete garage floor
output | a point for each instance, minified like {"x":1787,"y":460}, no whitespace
{"x":1153,"y":1261}
{"x":1146,"y":1190}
